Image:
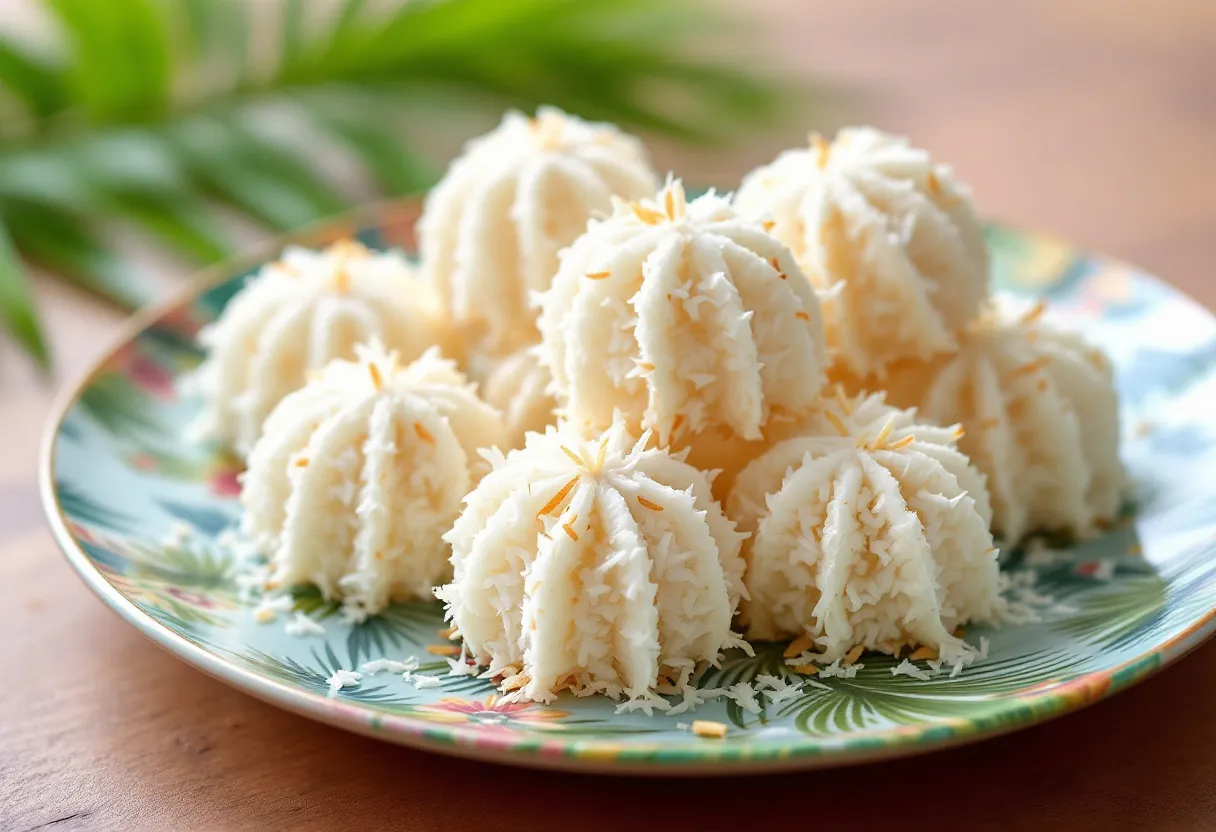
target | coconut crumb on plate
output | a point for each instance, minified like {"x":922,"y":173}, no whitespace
{"x":709,"y":729}
{"x":270,"y":606}
{"x":744,"y":696}
{"x":835,"y":669}
{"x":460,"y":667}
{"x":302,"y":625}
{"x":343,"y":679}
{"x":778,"y":689}
{"x":906,"y":668}
{"x":371,"y":668}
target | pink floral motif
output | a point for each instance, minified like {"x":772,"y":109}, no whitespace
{"x":183,"y":320}
{"x":491,"y":713}
{"x":143,"y":461}
{"x":225,"y":482}
{"x":191,"y":598}
{"x":145,"y":373}
{"x":81,"y":533}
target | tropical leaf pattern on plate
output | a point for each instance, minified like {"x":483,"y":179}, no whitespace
{"x":1121,"y":606}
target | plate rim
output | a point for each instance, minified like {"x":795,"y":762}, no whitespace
{"x":592,"y":755}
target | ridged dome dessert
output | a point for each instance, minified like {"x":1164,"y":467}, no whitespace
{"x":295,"y":316}
{"x":358,"y":475}
{"x":683,"y":318}
{"x":492,"y":228}
{"x":1042,"y":420}
{"x":871,"y":532}
{"x":891,"y":239}
{"x":593,"y":565}
{"x":519,"y":387}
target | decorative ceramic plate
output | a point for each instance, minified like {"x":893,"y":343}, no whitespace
{"x":119,"y":475}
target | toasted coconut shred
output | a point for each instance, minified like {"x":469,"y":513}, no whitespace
{"x":566,"y":580}
{"x":364,"y":521}
{"x":863,"y":541}
{"x":890,"y":237}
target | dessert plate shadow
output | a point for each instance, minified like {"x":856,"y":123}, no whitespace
{"x":118,"y":476}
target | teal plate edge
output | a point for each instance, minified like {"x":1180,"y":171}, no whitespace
{"x":115,"y":477}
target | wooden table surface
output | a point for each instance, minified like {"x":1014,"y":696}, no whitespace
{"x":1084,"y":117}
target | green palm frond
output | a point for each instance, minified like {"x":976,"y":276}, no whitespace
{"x":310,"y":674}
{"x":152,"y":113}
{"x":394,"y":627}
{"x":1111,"y":613}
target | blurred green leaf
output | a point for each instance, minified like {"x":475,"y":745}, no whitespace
{"x":121,"y":65}
{"x":33,"y":79}
{"x":17,"y":304}
{"x":395,"y":168}
{"x":148,"y":111}
{"x":293,"y":31}
{"x":66,"y":246}
{"x":182,"y":224}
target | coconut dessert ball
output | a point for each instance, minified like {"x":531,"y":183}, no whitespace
{"x":871,"y":532}
{"x":1042,"y":420}
{"x":890,"y":237}
{"x":358,"y":475}
{"x":519,"y":387}
{"x":684,"y":318}
{"x":292,"y":318}
{"x":492,"y":228}
{"x":593,"y":565}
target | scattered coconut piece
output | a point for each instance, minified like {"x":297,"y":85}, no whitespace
{"x":371,"y":668}
{"x":343,"y":679}
{"x":744,"y":696}
{"x":302,"y":625}
{"x":270,"y":606}
{"x":906,"y":668}
{"x":779,"y":689}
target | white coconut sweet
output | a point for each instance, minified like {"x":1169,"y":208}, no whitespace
{"x":292,"y":318}
{"x":593,"y":565}
{"x":492,"y":228}
{"x":684,"y":318}
{"x":890,"y":237}
{"x":519,"y":387}
{"x":869,"y":532}
{"x":358,"y":475}
{"x":1042,"y":419}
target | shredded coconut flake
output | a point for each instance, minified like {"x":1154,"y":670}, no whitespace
{"x":906,"y":668}
{"x":375,"y":666}
{"x":744,"y":696}
{"x":343,"y":679}
{"x":709,"y":729}
{"x":779,"y":689}
{"x":179,"y":534}
{"x":302,"y":625}
{"x":270,"y":606}
{"x":460,"y":667}
{"x":836,"y":670}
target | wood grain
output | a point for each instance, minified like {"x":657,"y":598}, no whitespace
{"x":1093,"y":119}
